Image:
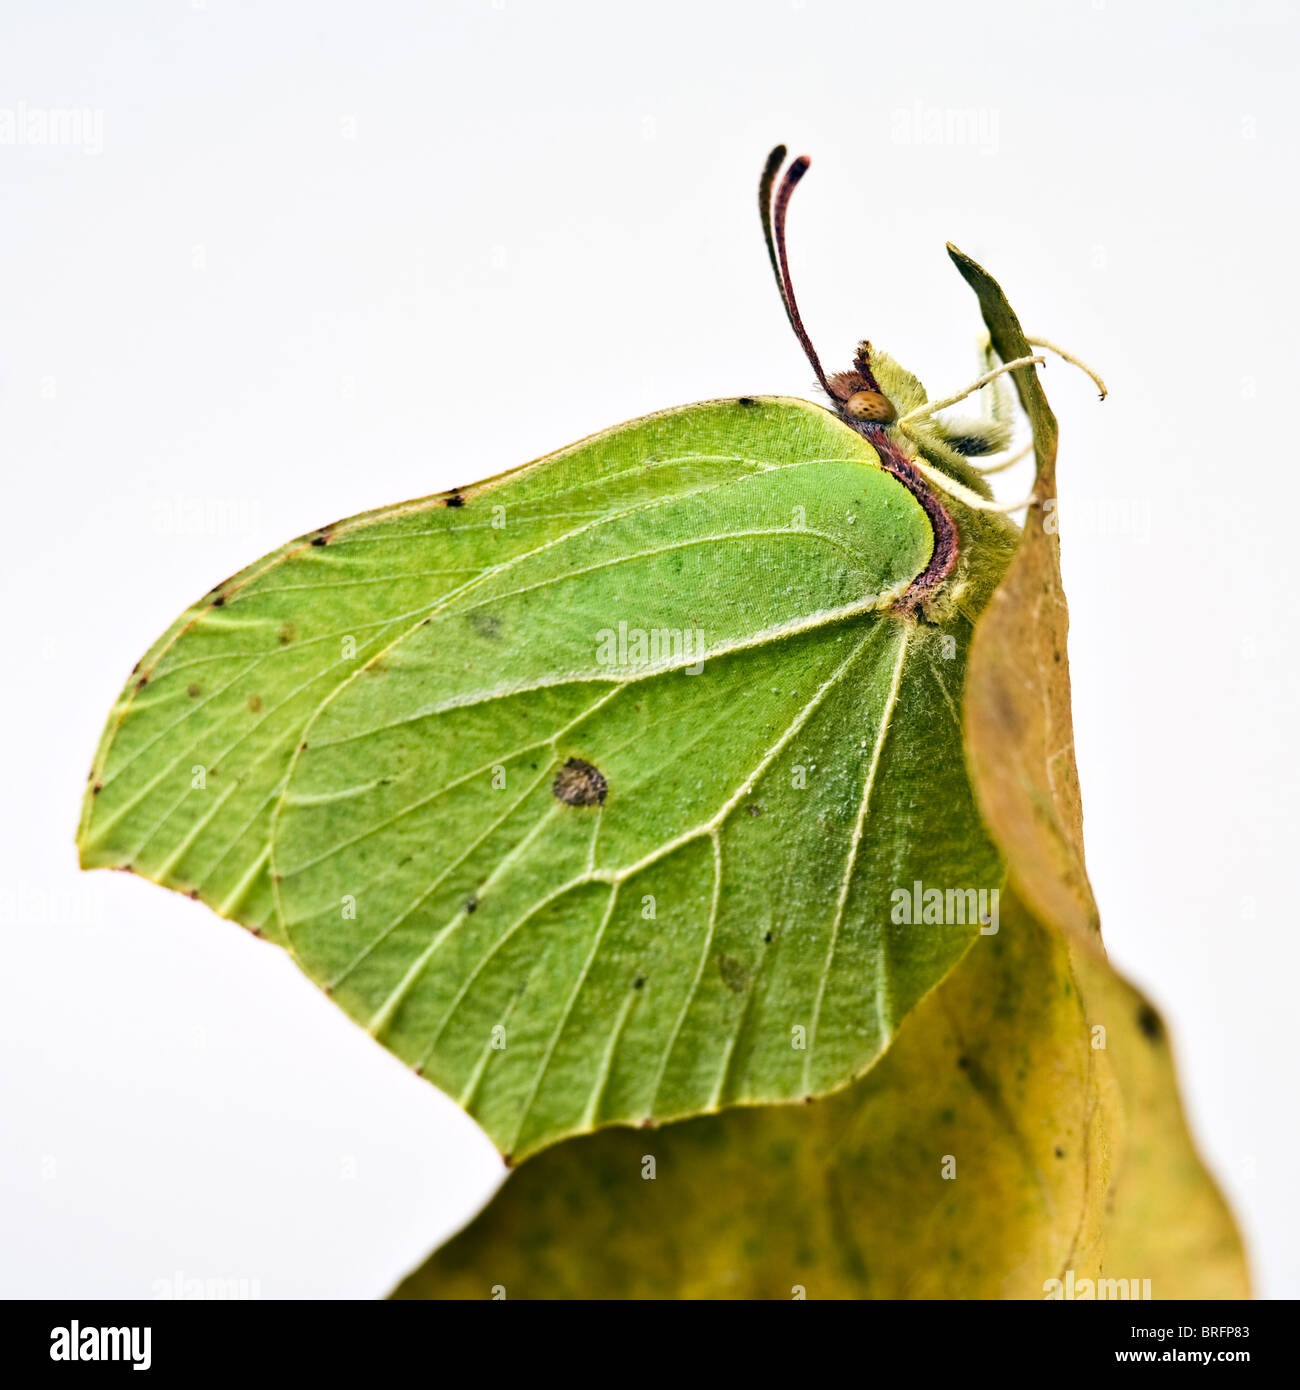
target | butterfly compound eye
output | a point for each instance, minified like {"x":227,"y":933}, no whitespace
{"x":870,"y":405}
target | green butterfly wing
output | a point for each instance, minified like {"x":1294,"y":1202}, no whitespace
{"x":587,"y":790}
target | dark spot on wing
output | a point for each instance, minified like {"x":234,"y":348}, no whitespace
{"x":578,"y":783}
{"x":734,"y":974}
{"x":485,"y":624}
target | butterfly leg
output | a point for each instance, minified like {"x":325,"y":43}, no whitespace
{"x":995,"y":404}
{"x":996,"y":407}
{"x":922,"y":412}
{"x":963,"y":494}
{"x":1004,"y":463}
{"x":1072,"y":360}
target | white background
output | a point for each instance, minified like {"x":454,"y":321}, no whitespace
{"x":322,"y":257}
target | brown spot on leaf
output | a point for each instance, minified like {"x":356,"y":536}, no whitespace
{"x":1149,"y":1022}
{"x":142,"y":682}
{"x":1005,"y":710}
{"x":455,"y":500}
{"x":578,"y":783}
{"x":471,"y":903}
{"x":255,"y":703}
{"x":754,"y":809}
{"x":746,"y":400}
{"x":193,"y":691}
{"x":322,"y":539}
{"x":96,"y":789}
{"x":287,"y":633}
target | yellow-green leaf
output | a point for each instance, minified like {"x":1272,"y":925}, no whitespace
{"x":1022,"y":1137}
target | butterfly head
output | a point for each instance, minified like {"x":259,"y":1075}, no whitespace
{"x":856,"y":394}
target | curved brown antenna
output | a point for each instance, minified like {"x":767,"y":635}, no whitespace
{"x":772,"y":211}
{"x":774,"y":162}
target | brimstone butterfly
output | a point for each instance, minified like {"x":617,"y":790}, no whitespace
{"x":594,"y":790}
